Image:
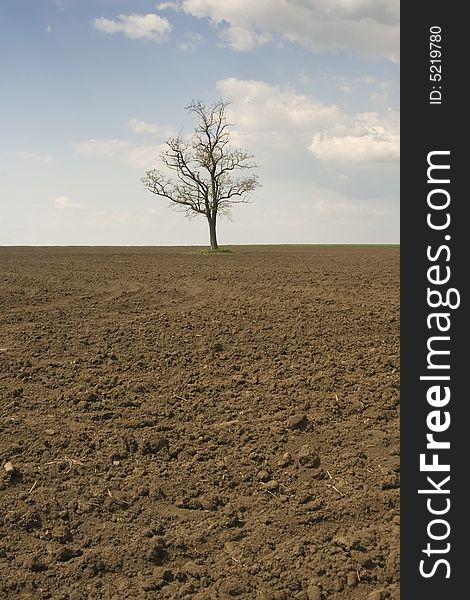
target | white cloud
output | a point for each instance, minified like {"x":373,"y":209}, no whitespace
{"x":150,"y":27}
{"x":370,"y":138}
{"x":167,"y":6}
{"x":65,"y":203}
{"x":240,"y":38}
{"x":370,"y":27}
{"x":49,"y":29}
{"x":100,"y":147}
{"x":364,"y":148}
{"x":258,"y":105}
{"x":162,"y":131}
{"x":280,"y":118}
{"x":34,"y":156}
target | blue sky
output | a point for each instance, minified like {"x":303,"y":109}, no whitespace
{"x":92,"y":88}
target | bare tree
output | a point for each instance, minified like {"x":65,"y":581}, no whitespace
{"x":205,"y":167}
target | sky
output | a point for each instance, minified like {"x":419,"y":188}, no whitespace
{"x":91,"y":89}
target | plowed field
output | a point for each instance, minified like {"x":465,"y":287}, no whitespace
{"x":181,"y":425}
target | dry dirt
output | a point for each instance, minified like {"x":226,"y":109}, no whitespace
{"x":190,"y":426}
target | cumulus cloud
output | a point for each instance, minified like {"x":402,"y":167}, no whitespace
{"x":258,"y":105}
{"x":370,"y":27}
{"x":369,"y":138}
{"x":240,"y":38}
{"x":100,"y":147}
{"x":34,"y":156}
{"x":149,"y":27}
{"x":364,"y":148}
{"x":162,"y":131}
{"x":281,"y":117}
{"x":65,"y":203}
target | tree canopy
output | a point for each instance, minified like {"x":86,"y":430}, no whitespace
{"x":209,"y":175}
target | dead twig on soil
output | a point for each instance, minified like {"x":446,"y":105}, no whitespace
{"x":71,"y":462}
{"x":331,"y":485}
{"x":336,"y":489}
{"x":33,"y":486}
{"x":268,"y":491}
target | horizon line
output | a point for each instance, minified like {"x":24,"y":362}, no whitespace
{"x":197,"y":245}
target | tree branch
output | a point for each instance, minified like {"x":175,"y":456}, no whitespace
{"x":204,"y":167}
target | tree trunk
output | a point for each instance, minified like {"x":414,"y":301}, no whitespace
{"x":213,"y":232}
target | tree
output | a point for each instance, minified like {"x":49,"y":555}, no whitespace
{"x":206,"y":181}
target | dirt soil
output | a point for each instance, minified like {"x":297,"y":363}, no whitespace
{"x":181,"y":425}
